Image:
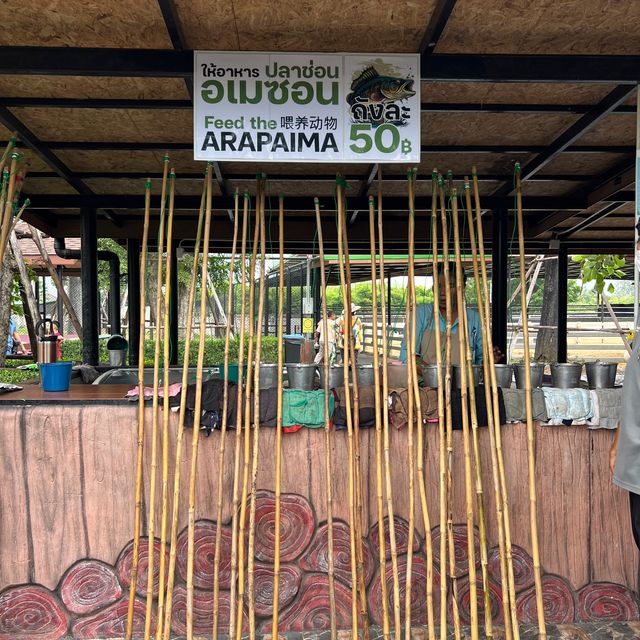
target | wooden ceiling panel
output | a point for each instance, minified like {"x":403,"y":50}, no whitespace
{"x":84,"y":23}
{"x":110,"y":161}
{"x":100,"y":125}
{"x":555,"y":188}
{"x":582,"y":163}
{"x":293,"y":168}
{"x":512,"y":92}
{"x":22,"y":86}
{"x":614,"y":129}
{"x":47,"y":185}
{"x":545,"y":27}
{"x":305,"y":25}
{"x":492,"y":128}
{"x":302,"y":188}
{"x":136,"y":186}
{"x":461,"y":164}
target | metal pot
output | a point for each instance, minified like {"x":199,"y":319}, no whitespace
{"x":301,"y":376}
{"x":365,"y":374}
{"x":566,"y":375}
{"x":504,"y":375}
{"x":398,"y":375}
{"x":47,"y":346}
{"x":430,"y":375}
{"x":336,"y":376}
{"x":537,"y":374}
{"x":601,"y":375}
{"x":269,"y":375}
{"x":477,"y":375}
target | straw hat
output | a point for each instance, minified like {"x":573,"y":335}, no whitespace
{"x":354,"y":307}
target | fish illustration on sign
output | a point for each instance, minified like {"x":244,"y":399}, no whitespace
{"x":370,"y":87}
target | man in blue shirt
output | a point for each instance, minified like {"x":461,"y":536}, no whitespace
{"x":425,"y":327}
{"x":13,"y":339}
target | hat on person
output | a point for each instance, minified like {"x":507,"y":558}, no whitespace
{"x":354,"y":307}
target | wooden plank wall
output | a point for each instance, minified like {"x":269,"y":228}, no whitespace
{"x":67,"y":478}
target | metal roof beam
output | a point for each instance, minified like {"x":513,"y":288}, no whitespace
{"x":437,"y":23}
{"x":590,"y":220}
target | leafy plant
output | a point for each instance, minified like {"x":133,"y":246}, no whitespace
{"x":599,"y":268}
{"x":16,"y":376}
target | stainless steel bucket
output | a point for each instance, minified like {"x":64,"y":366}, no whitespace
{"x":397,"y":375}
{"x":566,"y":375}
{"x":504,"y":375}
{"x":336,"y":376}
{"x":365,"y":374}
{"x":269,"y":374}
{"x":301,"y":376}
{"x":601,"y":375}
{"x":477,"y":375}
{"x":537,"y":374}
{"x":430,"y":375}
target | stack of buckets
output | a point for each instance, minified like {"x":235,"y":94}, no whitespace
{"x":54,"y":376}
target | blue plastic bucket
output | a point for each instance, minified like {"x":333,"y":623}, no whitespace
{"x":55,"y":376}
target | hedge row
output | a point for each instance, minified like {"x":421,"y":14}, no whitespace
{"x":213,"y":350}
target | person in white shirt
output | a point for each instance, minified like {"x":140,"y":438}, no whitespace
{"x":331,"y":338}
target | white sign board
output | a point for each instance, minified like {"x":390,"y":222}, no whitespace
{"x":306,"y":107}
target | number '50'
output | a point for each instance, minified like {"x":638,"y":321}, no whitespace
{"x":362,"y":142}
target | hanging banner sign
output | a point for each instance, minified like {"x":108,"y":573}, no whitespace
{"x":306,"y":107}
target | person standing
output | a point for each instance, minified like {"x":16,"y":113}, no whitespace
{"x":330,"y":338}
{"x":357,"y":332}
{"x":14,"y":343}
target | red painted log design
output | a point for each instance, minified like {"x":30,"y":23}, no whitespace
{"x":89,"y":586}
{"x":297,"y":526}
{"x":606,"y":601}
{"x":202,"y":612}
{"x":418,"y":591}
{"x":310,"y":611}
{"x":557,"y":599}
{"x":460,"y":546}
{"x":31,"y":612}
{"x":112,"y":622}
{"x":402,"y":538}
{"x":203,"y":561}
{"x":125,"y":560}
{"x":464,"y":601}
{"x":522,"y":567}
{"x":290,"y":579}
{"x":316,"y":558}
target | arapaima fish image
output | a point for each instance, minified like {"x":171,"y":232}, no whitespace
{"x":370,"y":87}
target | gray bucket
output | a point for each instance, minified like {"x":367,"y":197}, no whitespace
{"x":504,"y":375}
{"x":336,"y":376}
{"x":301,"y":376}
{"x":430,"y":375}
{"x":269,"y":376}
{"x":365,"y":374}
{"x":397,"y":375}
{"x":566,"y":375}
{"x":537,"y":374}
{"x":117,"y":357}
{"x":477,"y":375}
{"x":601,"y":375}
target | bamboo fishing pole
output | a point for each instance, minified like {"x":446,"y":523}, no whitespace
{"x":191,"y":521}
{"x":378,"y":409}
{"x":256,"y":423}
{"x":441,"y":416}
{"x":151,"y":523}
{"x":223,"y":427}
{"x":7,"y":209}
{"x":466,"y":445}
{"x":140,"y":445}
{"x":238,"y":421}
{"x":353,"y":516}
{"x":247,"y":415}
{"x":385,"y":424}
{"x":165,"y":407}
{"x":276,"y":561}
{"x":494,"y":464}
{"x":356,"y":439}
{"x":8,"y":149}
{"x":448,"y":415}
{"x":411,"y":404}
{"x":426,"y":521}
{"x":327,"y":434}
{"x":531,"y":462}
{"x":510,"y":591}
{"x":181,"y":419}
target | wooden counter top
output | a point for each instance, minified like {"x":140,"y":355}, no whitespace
{"x":77,"y":394}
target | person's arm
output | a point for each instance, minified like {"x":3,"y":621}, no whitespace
{"x":16,"y":340}
{"x":613,"y":451}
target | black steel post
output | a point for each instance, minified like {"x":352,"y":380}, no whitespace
{"x":499,"y":279}
{"x":317,"y":296}
{"x":89,"y":279}
{"x":173,"y":308}
{"x":265,"y":330}
{"x":60,"y":305}
{"x":563,"y":267}
{"x":133,"y":297}
{"x":114,"y":301}
{"x":388,"y":299}
{"x":289,"y":302}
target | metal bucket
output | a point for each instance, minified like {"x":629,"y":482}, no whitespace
{"x":269,"y":375}
{"x":365,"y":374}
{"x":301,"y":376}
{"x":117,"y":357}
{"x":430,"y":375}
{"x":398,"y":375}
{"x":504,"y":375}
{"x":477,"y":375}
{"x":601,"y":375}
{"x":566,"y":375}
{"x":336,"y":376}
{"x":537,"y":374}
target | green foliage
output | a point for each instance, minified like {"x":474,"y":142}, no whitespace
{"x":598,"y":268}
{"x":213,"y":351}
{"x":16,"y":376}
{"x":107,"y":244}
